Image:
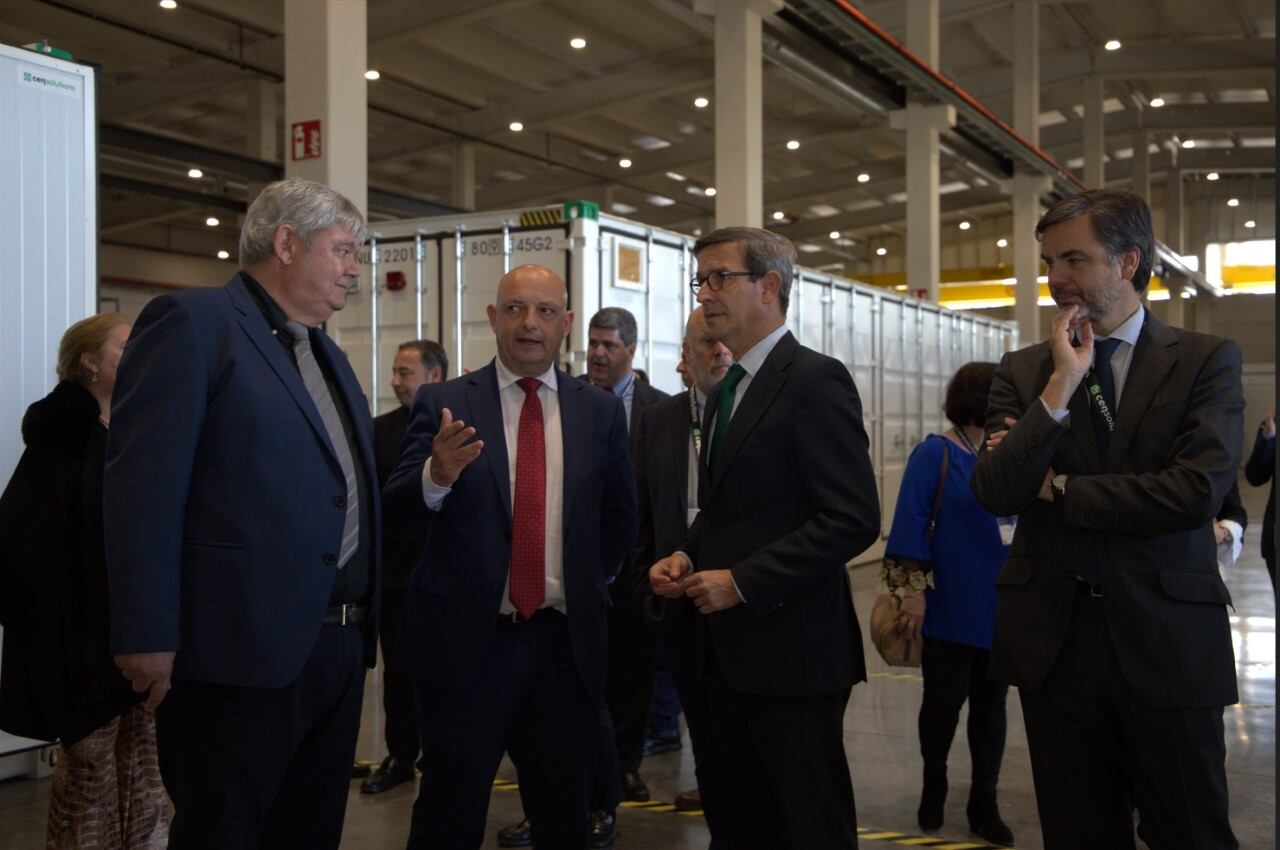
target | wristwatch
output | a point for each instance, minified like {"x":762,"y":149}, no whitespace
{"x":1059,"y":487}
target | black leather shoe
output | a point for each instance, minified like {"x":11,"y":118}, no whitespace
{"x":633,"y":787}
{"x":516,"y":835}
{"x":986,"y":823}
{"x":389,"y":774}
{"x":603,"y":832}
{"x":360,"y":771}
{"x":932,"y":802}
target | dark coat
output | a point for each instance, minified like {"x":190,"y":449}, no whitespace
{"x":57,"y":680}
{"x":1260,"y":469}
{"x":402,"y":540}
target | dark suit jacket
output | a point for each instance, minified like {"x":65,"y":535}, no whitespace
{"x":1145,"y":512}
{"x":402,"y":541}
{"x":792,"y":500}
{"x":456,"y":590}
{"x":224,"y":499}
{"x":1260,"y":469}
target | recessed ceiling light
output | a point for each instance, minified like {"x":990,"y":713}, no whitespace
{"x":577,"y":42}
{"x":793,"y":144}
{"x":212,"y":222}
{"x":835,"y":234}
{"x":880,"y":252}
{"x":1233,"y":202}
{"x":678,"y":177}
{"x":864,"y":177}
{"x":624,"y":163}
{"x":1157,"y":102}
{"x":1113,"y":44}
{"x":224,"y":255}
{"x":1002,"y":243}
{"x":1211,"y":176}
{"x":964,"y":225}
{"x":701,"y":102}
{"x":372,"y":74}
{"x":1251,"y":224}
{"x":779,"y":215}
{"x":1188,"y":143}
{"x":515,"y":126}
{"x":195,"y":173}
{"x":168,"y":4}
{"x":710,"y":191}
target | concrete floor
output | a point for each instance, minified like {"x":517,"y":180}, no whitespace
{"x":880,"y":737}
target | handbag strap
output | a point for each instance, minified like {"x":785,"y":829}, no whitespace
{"x":937,"y":496}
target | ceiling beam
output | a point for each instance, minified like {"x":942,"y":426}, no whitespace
{"x":1191,"y":118}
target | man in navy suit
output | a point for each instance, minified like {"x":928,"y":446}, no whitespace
{"x":525,"y":475}
{"x":242,"y":532}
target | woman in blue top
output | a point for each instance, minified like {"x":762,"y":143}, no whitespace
{"x":965,"y":552}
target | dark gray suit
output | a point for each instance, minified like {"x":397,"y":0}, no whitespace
{"x":1122,"y":693}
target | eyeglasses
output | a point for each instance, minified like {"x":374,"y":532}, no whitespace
{"x":715,"y":281}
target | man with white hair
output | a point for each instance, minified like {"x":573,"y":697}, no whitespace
{"x":242,"y":527}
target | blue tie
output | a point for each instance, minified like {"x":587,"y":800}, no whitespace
{"x":1103,"y":351}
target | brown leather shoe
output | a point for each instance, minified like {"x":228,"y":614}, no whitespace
{"x":689,"y":801}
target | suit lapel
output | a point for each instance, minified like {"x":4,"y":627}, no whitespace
{"x":1153,"y":357}
{"x":761,"y":392}
{"x":485,"y":409}
{"x":574,"y":435}
{"x":679,"y":434}
{"x":255,"y":326}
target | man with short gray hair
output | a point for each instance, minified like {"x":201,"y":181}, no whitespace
{"x":242,"y":532}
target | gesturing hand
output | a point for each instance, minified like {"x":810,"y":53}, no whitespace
{"x":665,"y":576}
{"x":450,"y":451}
{"x":149,"y":672}
{"x":1070,"y":363}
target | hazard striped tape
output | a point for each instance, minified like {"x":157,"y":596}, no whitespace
{"x":551,"y":215}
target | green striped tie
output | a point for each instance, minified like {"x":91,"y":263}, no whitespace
{"x":724,"y":410}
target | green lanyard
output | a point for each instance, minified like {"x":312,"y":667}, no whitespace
{"x":1094,"y":391}
{"x":697,"y":427}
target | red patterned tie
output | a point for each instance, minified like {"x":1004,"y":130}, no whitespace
{"x":529,"y":507}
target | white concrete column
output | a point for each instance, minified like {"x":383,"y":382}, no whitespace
{"x":1142,"y":165}
{"x":464,"y":175}
{"x":1173,"y":210}
{"x":1026,"y":188}
{"x":922,"y":262}
{"x":739,"y":109}
{"x":325,"y":57}
{"x":1095,"y":175}
{"x":262,"y":125}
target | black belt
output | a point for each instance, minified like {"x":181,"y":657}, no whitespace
{"x":516,"y":618}
{"x":349,"y":614}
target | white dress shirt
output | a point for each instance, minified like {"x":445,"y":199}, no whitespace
{"x":512,"y":399}
{"x":751,"y":363}
{"x":626,"y":390}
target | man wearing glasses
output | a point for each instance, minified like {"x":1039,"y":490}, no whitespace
{"x":787,"y":496}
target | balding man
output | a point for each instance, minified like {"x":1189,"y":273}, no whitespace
{"x":523,"y":476}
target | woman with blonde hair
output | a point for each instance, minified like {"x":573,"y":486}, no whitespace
{"x":58,"y":680}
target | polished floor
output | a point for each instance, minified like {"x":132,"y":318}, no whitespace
{"x":880,"y":738}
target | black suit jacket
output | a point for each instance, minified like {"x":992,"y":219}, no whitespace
{"x":792,"y":500}
{"x":402,"y":540}
{"x":456,"y":589}
{"x":1260,"y":469}
{"x":1145,"y":511}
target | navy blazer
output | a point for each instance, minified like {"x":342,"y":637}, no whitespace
{"x":456,"y":589}
{"x":222,"y":492}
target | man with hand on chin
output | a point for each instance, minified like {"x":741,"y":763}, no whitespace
{"x":787,"y":497}
{"x":1124,"y":435}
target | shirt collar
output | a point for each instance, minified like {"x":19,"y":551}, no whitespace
{"x":1130,"y":329}
{"x":755,"y":356}
{"x":621,"y":388}
{"x":506,"y":377}
{"x":271,"y":310}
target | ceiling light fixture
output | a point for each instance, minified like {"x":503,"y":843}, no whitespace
{"x":515,"y":126}
{"x":372,"y":74}
{"x":212,"y":222}
{"x":195,"y":173}
{"x":835,"y":234}
{"x":1233,"y":202}
{"x":779,"y":215}
{"x":224,"y":255}
{"x":1251,"y":224}
{"x":1002,"y":243}
{"x":1113,"y":44}
{"x":624,"y":163}
{"x":701,"y":102}
{"x":1188,"y":144}
{"x":169,"y":4}
{"x":1157,"y":102}
{"x":793,"y":144}
{"x":880,"y":252}
{"x":864,"y":177}
{"x":577,"y":42}
{"x":965,"y":225}
{"x":1211,"y":176}
{"x":677,"y":176}
{"x":710,"y":191}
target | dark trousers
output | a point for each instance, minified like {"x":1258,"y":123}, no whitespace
{"x":265,"y":767}
{"x":780,"y":767}
{"x":397,"y":686}
{"x":1097,"y":752}
{"x":630,"y":682}
{"x":954,"y":672}
{"x":679,"y":648}
{"x":526,"y":699}
{"x":606,"y":783}
{"x":664,"y":705}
